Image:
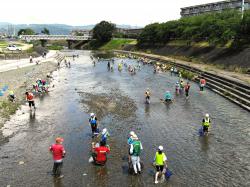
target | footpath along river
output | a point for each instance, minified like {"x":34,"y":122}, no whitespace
{"x":221,"y":159}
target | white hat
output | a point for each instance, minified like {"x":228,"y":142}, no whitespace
{"x":92,"y":114}
{"x":135,"y":137}
{"x":104,"y":131}
{"x":207,"y":115}
{"x":160,"y":148}
{"x":131,"y":133}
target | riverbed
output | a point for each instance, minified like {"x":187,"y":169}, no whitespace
{"x":221,"y":159}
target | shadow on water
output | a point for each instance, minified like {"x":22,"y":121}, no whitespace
{"x":32,"y":117}
{"x":204,"y":143}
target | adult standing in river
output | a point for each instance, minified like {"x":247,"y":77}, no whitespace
{"x":160,"y":161}
{"x":58,"y":153}
{"x":135,"y":151}
{"x":108,"y":66}
{"x":30,"y":99}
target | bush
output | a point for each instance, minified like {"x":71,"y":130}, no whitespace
{"x":188,"y":74}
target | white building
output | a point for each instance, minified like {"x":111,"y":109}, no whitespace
{"x":214,"y":7}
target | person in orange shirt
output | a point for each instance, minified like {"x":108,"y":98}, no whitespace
{"x":30,"y":99}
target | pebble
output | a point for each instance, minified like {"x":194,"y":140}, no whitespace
{"x":84,"y":174}
{"x":8,"y":185}
{"x":21,"y":162}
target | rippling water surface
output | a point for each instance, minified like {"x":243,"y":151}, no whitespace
{"x":221,"y":159}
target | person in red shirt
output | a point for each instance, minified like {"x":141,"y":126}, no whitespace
{"x":202,"y":84}
{"x":186,"y":88}
{"x":30,"y":99}
{"x":100,"y":153}
{"x":58,"y":153}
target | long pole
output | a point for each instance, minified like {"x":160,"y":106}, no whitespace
{"x":242,"y":9}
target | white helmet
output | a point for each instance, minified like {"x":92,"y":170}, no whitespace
{"x":104,"y":131}
{"x":207,"y":115}
{"x":160,"y":148}
{"x":92,"y":114}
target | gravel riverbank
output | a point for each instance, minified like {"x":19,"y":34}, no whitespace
{"x":19,"y":81}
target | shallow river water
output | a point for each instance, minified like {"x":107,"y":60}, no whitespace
{"x":221,"y":159}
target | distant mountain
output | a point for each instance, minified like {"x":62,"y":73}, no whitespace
{"x":53,"y":28}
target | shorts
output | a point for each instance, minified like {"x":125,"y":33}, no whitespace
{"x":31,"y":103}
{"x":205,"y":129}
{"x":159,"y":168}
{"x":187,"y":93}
{"x":167,"y":100}
{"x":147,"y":97}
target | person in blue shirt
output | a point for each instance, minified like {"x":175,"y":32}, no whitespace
{"x":104,"y":136}
{"x":168,"y":96}
{"x":94,"y":124}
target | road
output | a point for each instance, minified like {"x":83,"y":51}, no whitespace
{"x":7,"y":65}
{"x":221,"y":159}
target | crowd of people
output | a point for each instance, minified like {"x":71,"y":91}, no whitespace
{"x":100,"y":149}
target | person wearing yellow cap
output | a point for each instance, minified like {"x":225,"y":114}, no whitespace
{"x":58,"y":153}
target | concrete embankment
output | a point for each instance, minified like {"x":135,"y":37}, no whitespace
{"x":224,"y":58}
{"x":233,"y":86}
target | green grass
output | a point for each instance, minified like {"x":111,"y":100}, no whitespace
{"x":3,"y":44}
{"x":8,"y":108}
{"x":188,"y":74}
{"x":118,"y":44}
{"x":55,"y":47}
{"x":181,"y":43}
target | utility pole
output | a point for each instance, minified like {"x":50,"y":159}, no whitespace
{"x":242,"y":9}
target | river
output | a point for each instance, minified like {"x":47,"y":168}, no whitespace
{"x":221,"y":159}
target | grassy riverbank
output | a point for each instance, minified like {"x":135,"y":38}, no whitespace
{"x":118,"y":44}
{"x":19,"y":81}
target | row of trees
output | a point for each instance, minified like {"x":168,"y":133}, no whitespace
{"x":216,"y":28}
{"x":29,"y":31}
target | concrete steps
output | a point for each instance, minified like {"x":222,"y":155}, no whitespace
{"x":59,"y":57}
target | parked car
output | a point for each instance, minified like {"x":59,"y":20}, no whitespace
{"x":13,"y":48}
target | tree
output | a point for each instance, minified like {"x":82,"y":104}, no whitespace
{"x":45,"y":31}
{"x":103,"y":32}
{"x":216,"y":28}
{"x":27,"y":31}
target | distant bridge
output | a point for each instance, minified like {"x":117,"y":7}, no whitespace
{"x":56,"y":37}
{"x":73,"y":41}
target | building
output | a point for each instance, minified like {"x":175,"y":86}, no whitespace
{"x":129,"y":33}
{"x":80,"y":32}
{"x":214,"y":7}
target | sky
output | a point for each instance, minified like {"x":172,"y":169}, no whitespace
{"x":85,"y":12}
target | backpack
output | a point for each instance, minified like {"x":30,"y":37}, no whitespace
{"x":137,"y":148}
{"x":92,"y":121}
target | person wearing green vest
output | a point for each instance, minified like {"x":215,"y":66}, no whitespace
{"x":206,"y":124}
{"x":135,"y":151}
{"x":160,"y":162}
